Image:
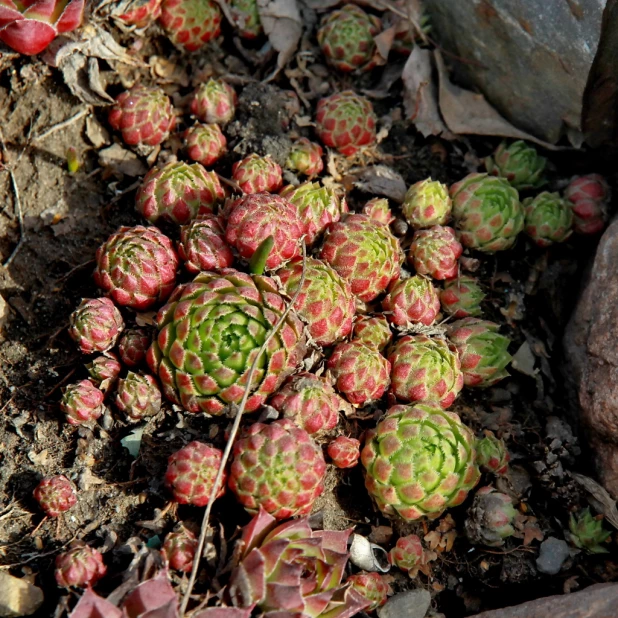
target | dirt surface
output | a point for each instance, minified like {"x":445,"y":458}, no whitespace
{"x":122,"y":502}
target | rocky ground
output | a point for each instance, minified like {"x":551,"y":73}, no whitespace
{"x":51,"y":223}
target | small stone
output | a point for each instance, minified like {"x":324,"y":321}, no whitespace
{"x":552,"y":556}
{"x":18,"y":597}
{"x":408,"y":604}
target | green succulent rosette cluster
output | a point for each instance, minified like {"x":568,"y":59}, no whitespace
{"x":487,"y":212}
{"x":346,"y":38}
{"x":427,"y":203}
{"x":210,"y":333}
{"x":548,"y":218}
{"x":461,"y":297}
{"x":518,"y":163}
{"x":587,"y":532}
{"x":482,"y":350}
{"x":419,"y":461}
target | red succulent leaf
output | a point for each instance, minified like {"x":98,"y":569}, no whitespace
{"x":91,"y":605}
{"x":28,"y":36}
{"x":255,"y":531}
{"x":71,"y":17}
{"x":154,"y":598}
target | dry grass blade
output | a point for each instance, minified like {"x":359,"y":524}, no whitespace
{"x":232,"y":438}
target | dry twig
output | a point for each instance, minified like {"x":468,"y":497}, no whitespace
{"x":61,"y":125}
{"x":232,"y":438}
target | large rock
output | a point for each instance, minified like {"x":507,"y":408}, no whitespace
{"x":591,"y":357}
{"x":599,"y":601}
{"x":530,"y":59}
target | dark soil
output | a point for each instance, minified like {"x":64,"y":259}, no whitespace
{"x":122,"y":501}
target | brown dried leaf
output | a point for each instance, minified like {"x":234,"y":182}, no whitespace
{"x":602,"y":501}
{"x":421,"y":95}
{"x":380,"y":534}
{"x":381,"y":180}
{"x":468,"y":113}
{"x":532,"y":531}
{"x":122,"y":161}
{"x":283,"y":25}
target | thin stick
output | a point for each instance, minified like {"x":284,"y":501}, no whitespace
{"x":231,"y":439}
{"x":61,"y":125}
{"x":20,"y":218}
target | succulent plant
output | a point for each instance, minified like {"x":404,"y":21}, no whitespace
{"x":412,"y":301}
{"x":492,"y":455}
{"x":490,"y":518}
{"x":202,"y":245}
{"x":278,"y":468}
{"x":427,"y":203}
{"x":205,"y":143}
{"x":589,"y":216}
{"x":378,"y":210}
{"x":95,"y":325}
{"x":81,"y":566}
{"x":462,"y":297}
{"x":408,"y":554}
{"x":179,"y":549}
{"x":590,"y":186}
{"x":252,"y":218}
{"x":311,"y":402}
{"x":29,"y":27}
{"x":190,"y":24}
{"x":434,"y":252}
{"x":587,"y":532}
{"x":133,"y":346}
{"x":548,"y":218}
{"x":209,"y":335}
{"x":346,"y":38}
{"x":317,"y":207}
{"x":346,"y":121}
{"x":482,"y":350}
{"x":292,"y":570}
{"x":361,"y":373}
{"x":104,"y":370}
{"x":406,"y":35}
{"x":326,"y":301}
{"x":191,"y":473}
{"x":82,"y":402}
{"x":344,"y":452}
{"x":55,"y":495}
{"x":519,"y":163}
{"x":487,"y":212}
{"x":246,"y":18}
{"x":137,"y":267}
{"x":364,"y":253}
{"x":138,"y":13}
{"x":425,"y":369}
{"x":305,"y":158}
{"x":255,"y":174}
{"x":373,"y":331}
{"x":178,"y":192}
{"x":372,"y":587}
{"x":138,"y":396}
{"x":214,"y":102}
{"x":419,"y":461}
{"x":143,"y":115}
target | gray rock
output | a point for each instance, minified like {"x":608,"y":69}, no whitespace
{"x":599,"y":601}
{"x":552,"y":556}
{"x":408,"y":604}
{"x":591,"y":358}
{"x":530,"y":59}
